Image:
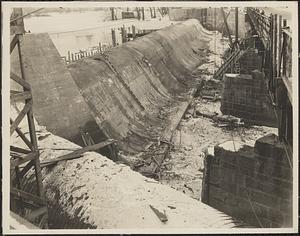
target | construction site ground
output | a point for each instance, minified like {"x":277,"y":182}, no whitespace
{"x":183,"y":168}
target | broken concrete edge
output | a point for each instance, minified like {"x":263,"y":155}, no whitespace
{"x":271,"y":147}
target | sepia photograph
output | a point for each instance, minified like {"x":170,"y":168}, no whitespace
{"x":149,"y":117}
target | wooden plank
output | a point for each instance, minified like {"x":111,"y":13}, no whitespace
{"x":25,"y":195}
{"x":26,"y":168}
{"x":20,"y":80}
{"x":79,"y":152}
{"x":23,"y":137}
{"x":37,"y":165}
{"x":51,"y":163}
{"x":226,"y":26}
{"x":14,"y":42}
{"x":21,"y":96}
{"x":288,"y":84}
{"x":18,"y":149}
{"x":28,"y":157}
{"x":279,"y":46}
{"x":287,"y":32}
{"x":20,"y":117}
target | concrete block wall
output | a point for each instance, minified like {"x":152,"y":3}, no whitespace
{"x":250,"y":61}
{"x":246,"y":96}
{"x":252,"y":184}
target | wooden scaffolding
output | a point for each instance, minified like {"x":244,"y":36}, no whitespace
{"x":30,"y":205}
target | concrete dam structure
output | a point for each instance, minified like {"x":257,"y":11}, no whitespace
{"x":130,"y":93}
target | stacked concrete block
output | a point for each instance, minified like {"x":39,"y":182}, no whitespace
{"x":246,"y":96}
{"x":252,"y":184}
{"x":250,"y":61}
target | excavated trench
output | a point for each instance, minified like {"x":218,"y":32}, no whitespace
{"x":135,"y":93}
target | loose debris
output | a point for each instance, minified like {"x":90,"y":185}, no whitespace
{"x":162,"y":216}
{"x":202,"y":126}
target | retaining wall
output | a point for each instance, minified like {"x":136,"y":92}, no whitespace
{"x":247,"y":97}
{"x":133,"y":98}
{"x":135,"y":90}
{"x":253,"y":184}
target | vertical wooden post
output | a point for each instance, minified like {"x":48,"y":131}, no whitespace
{"x":151,"y":12}
{"x":72,"y":56}
{"x":113,"y":37}
{"x":275,"y":46}
{"x":138,"y":13}
{"x":154,"y":12}
{"x":143,"y":13}
{"x":123,"y":33}
{"x":69,"y":56}
{"x":133,"y":32}
{"x":284,"y":49}
{"x":100,"y":47}
{"x":236,"y":24}
{"x":271,"y":51}
{"x":112,"y":13}
{"x":279,"y":46}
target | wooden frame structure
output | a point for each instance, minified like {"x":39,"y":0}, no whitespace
{"x":32,"y":206}
{"x":276,"y":37}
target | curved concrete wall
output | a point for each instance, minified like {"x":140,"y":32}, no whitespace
{"x":132,"y":93}
{"x":134,"y":96}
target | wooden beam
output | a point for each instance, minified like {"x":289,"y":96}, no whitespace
{"x":288,"y":84}
{"x":236,"y":24}
{"x":20,"y":117}
{"x":20,"y":81}
{"x":23,"y":137}
{"x":18,"y":149}
{"x":21,"y":96}
{"x":29,"y":196}
{"x":17,"y":162}
{"x":79,"y":152}
{"x":26,"y":168}
{"x":279,"y":46}
{"x":287,"y":32}
{"x":14,"y":42}
{"x":226,"y":26}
